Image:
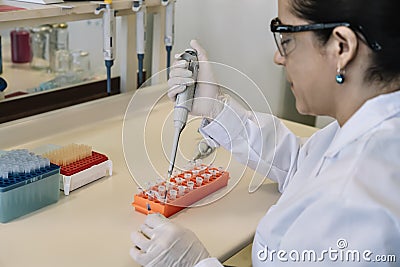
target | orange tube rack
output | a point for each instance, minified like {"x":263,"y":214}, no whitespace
{"x":168,"y":205}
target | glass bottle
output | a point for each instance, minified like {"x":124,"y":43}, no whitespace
{"x":20,"y":46}
{"x":59,"y":47}
{"x":40,"y":44}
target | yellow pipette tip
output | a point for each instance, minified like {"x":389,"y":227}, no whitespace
{"x":108,"y":2}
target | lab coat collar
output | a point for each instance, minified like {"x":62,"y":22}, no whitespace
{"x":372,"y":112}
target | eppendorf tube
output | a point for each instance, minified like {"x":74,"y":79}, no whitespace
{"x":161,"y":190}
{"x":187,"y":176}
{"x":190,"y":185}
{"x":202,"y":168}
{"x":206,"y":177}
{"x":199,"y":181}
{"x":169,"y":185}
{"x":157,"y":196}
{"x":150,"y":195}
{"x":213,"y":172}
{"x":181,"y":190}
{"x":172,"y":194}
{"x":195,"y":172}
{"x":179,"y":180}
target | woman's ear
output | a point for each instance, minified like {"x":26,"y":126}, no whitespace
{"x":345,"y":44}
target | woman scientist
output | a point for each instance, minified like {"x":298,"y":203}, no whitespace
{"x":341,"y":189}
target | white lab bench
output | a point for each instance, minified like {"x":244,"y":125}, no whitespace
{"x":92,"y":226}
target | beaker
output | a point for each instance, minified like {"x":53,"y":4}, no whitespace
{"x":80,"y":63}
{"x":62,"y":61}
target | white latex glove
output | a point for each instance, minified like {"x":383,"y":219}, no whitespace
{"x":208,"y":97}
{"x":161,"y":242}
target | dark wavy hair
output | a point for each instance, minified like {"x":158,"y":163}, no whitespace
{"x":380,"y":22}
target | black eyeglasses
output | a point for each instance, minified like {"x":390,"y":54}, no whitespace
{"x":283,"y":34}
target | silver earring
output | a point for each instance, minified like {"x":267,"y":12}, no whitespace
{"x":340,"y":76}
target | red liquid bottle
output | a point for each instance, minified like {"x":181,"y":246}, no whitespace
{"x":20,"y":46}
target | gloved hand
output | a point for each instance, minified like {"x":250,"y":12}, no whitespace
{"x":161,"y":242}
{"x":208,"y":96}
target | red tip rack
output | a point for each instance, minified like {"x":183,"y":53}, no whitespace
{"x":83,"y":164}
{"x":181,"y":191}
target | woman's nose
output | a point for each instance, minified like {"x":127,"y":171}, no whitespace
{"x":278,"y":59}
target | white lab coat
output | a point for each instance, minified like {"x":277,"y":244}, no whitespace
{"x":340,"y":203}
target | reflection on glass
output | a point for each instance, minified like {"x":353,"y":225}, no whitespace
{"x":20,"y":46}
{"x":40,"y":45}
{"x":60,"y":55}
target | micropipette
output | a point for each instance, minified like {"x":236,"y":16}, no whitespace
{"x":108,"y":37}
{"x":140,"y":9}
{"x":169,"y":29}
{"x":183,"y":103}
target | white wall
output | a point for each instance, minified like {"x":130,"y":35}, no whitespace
{"x":235,"y":33}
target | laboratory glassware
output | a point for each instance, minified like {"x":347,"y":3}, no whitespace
{"x":40,"y":45}
{"x":20,"y":45}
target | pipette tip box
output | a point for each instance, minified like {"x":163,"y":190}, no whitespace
{"x":84,"y":171}
{"x":80,"y":165}
{"x":181,"y":191}
{"x":24,"y":190}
